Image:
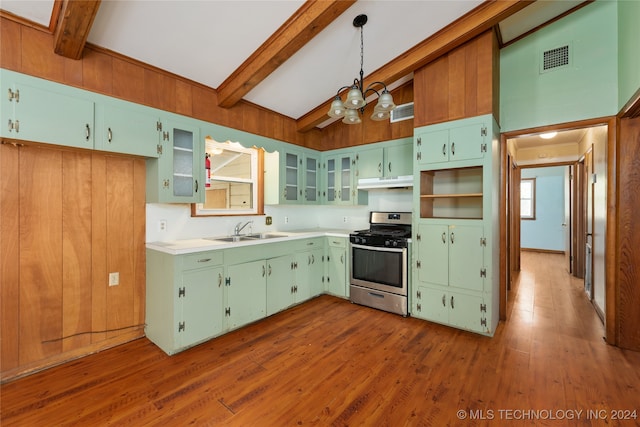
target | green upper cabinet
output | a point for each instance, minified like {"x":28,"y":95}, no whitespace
{"x":388,"y":160}
{"x":339,"y":180}
{"x":177,"y":176}
{"x":299,"y":178}
{"x":127,"y":128}
{"x":311,"y":179}
{"x":460,"y":143}
{"x":41,"y":111}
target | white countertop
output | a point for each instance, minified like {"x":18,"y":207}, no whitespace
{"x":186,"y":246}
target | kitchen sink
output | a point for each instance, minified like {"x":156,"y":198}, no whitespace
{"x":245,"y":237}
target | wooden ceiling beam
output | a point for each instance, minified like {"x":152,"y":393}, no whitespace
{"x":75,"y":21}
{"x":311,"y":18}
{"x":474,"y":23}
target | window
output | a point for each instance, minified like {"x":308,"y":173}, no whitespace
{"x":528,"y":198}
{"x":232,"y":185}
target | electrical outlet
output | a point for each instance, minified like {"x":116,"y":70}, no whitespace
{"x":268,"y":220}
{"x":286,"y":220}
{"x":345,"y":219}
{"x":162,"y":225}
{"x":114,"y":279}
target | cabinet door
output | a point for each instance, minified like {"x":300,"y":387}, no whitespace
{"x":465,"y":142}
{"x":126,"y":130}
{"x":179,"y":172}
{"x":432,"y":147}
{"x":431,"y":304}
{"x":280,"y":282}
{"x":433,"y":256}
{"x":313,"y":274}
{"x":464,"y":311}
{"x":331,"y":180}
{"x":466,"y":257}
{"x":54,"y":118}
{"x":399,"y":160}
{"x":345,"y":180}
{"x":292,"y":187}
{"x":311,"y":180}
{"x":370,"y":163}
{"x":337,"y":270}
{"x":246,"y":293}
{"x":201,"y":305}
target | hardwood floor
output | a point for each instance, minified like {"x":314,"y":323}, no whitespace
{"x":328,"y":362}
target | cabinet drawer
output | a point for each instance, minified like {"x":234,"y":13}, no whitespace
{"x":337,"y":242}
{"x":202,"y":259}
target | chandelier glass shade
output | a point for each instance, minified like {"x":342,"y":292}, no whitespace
{"x":350,"y":110}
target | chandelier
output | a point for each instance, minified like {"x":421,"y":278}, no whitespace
{"x":355,"y":103}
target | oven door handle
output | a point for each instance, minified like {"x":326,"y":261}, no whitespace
{"x":378,"y":248}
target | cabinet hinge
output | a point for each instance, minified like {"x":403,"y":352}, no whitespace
{"x":165,"y":136}
{"x":14,"y":95}
{"x":419,"y":307}
{"x":227,"y":281}
{"x":483,"y":307}
{"x":483,"y":322}
{"x":14,"y":125}
{"x":180,"y":326}
{"x":181,"y":292}
{"x":227,"y":311}
{"x":483,"y":131}
{"x":418,"y":294}
{"x":483,"y":272}
{"x":418,"y":264}
{"x":159,"y":148}
{"x":159,"y":126}
{"x":419,"y":142}
{"x":483,"y":148}
{"x":418,"y":155}
{"x":483,"y":241}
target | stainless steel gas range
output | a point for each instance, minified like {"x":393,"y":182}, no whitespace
{"x":379,"y":267}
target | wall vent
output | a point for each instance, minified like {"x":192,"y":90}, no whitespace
{"x":402,"y":112}
{"x":556,"y":58}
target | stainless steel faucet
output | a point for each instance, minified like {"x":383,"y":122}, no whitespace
{"x":238,"y":228}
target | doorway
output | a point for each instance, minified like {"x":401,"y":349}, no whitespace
{"x":580,"y":228}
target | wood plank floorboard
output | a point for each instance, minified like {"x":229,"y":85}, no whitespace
{"x":329,"y":362}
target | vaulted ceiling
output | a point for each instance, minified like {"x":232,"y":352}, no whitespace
{"x":287,"y":56}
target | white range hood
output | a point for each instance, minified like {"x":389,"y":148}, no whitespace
{"x":385,"y":183}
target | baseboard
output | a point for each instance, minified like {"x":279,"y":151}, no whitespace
{"x":545,"y":251}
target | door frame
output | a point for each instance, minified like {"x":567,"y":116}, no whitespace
{"x":611,"y":231}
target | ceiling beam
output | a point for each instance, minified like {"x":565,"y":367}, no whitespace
{"x":474,"y":23}
{"x":312,"y":17}
{"x":75,"y":21}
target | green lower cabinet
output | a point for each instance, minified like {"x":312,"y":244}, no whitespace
{"x":337,"y":267}
{"x":451,"y":308}
{"x":246,"y":287}
{"x":280,"y":283}
{"x":184,"y":299}
{"x":199,"y":301}
{"x":309,"y":277}
{"x":451,"y":255}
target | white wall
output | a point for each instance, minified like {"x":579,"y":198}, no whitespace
{"x":180,"y":224}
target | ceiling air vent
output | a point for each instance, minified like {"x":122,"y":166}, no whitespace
{"x":402,"y":112}
{"x":554,"y":59}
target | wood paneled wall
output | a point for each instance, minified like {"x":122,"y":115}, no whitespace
{"x":463,"y":83}
{"x":29,"y":50}
{"x":68,"y":218}
{"x":628,"y":232}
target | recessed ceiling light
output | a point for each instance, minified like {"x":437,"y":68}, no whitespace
{"x":548,"y":135}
